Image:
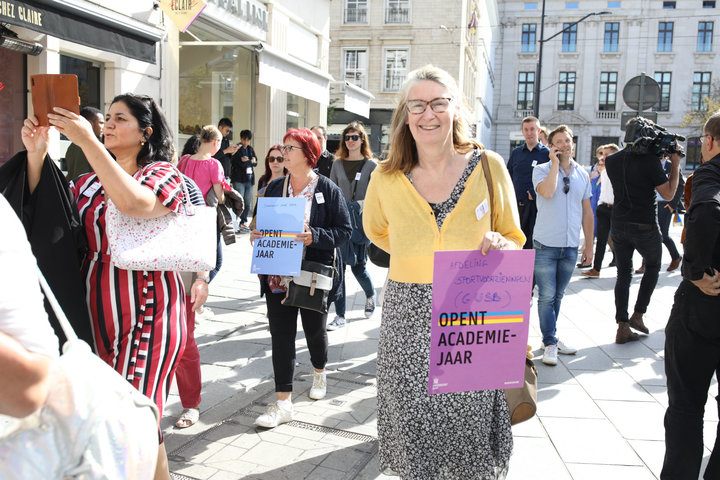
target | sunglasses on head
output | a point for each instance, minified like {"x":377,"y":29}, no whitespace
{"x":354,"y":138}
{"x":566,"y":181}
{"x":272,"y":159}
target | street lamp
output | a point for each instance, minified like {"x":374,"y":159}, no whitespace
{"x":538,"y":72}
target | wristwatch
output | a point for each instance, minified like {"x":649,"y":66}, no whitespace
{"x":205,"y":278}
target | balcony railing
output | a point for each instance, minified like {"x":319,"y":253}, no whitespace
{"x":523,"y":113}
{"x":356,"y":15}
{"x":606,"y":115}
{"x":397,"y":15}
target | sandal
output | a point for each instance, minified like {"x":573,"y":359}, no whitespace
{"x":188,"y":418}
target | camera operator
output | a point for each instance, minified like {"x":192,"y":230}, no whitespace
{"x":635,"y":174}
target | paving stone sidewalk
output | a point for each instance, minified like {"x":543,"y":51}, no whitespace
{"x":600,"y":411}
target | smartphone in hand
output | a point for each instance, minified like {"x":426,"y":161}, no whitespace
{"x":54,"y":90}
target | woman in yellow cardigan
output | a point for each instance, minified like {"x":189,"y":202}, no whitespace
{"x":431,"y":194}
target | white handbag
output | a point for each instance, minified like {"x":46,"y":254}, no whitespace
{"x":93,"y":425}
{"x":180,"y":242}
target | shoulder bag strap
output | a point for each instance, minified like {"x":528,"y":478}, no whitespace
{"x":285,"y":185}
{"x":355,"y":182}
{"x":491,"y":192}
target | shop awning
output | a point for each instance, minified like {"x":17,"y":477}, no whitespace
{"x":357,"y":100}
{"x":86,"y":23}
{"x":279,"y":70}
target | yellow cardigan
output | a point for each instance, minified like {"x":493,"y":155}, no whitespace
{"x":399,"y":220}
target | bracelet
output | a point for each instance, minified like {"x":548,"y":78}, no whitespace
{"x":204,"y":278}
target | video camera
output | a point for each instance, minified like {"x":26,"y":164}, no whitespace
{"x":647,"y":137}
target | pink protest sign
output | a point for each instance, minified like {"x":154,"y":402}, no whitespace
{"x":480,"y":318}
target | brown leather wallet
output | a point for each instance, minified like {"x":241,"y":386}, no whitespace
{"x":54,"y":90}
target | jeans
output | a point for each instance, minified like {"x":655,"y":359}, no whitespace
{"x":283,"y":330}
{"x":692,"y":358}
{"x":187,"y":372}
{"x":664,"y":219}
{"x":218,"y":257}
{"x":646,"y":239}
{"x":527,"y":210}
{"x":603,"y":215}
{"x":246,"y":190}
{"x":363,"y":278}
{"x":553,"y":269}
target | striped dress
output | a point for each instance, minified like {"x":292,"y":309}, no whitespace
{"x":138,"y":317}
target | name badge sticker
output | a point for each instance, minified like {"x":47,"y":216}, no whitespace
{"x":319,"y":197}
{"x":481,"y":209}
{"x":358,"y":175}
{"x":90,"y":191}
{"x":534,"y":163}
{"x":248,"y":170}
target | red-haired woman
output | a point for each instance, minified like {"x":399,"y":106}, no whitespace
{"x":327,"y":225}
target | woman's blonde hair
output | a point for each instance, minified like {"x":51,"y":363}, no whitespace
{"x":210,"y":133}
{"x":343,"y":153}
{"x":402,"y":154}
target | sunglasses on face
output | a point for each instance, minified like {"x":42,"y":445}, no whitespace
{"x":272,"y":159}
{"x":566,"y":181}
{"x":354,"y":138}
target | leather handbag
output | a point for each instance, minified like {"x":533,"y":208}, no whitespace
{"x":311,"y":288}
{"x":180,"y":242}
{"x":522,"y":401}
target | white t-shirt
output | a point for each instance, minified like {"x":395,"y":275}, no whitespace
{"x":22,"y":315}
{"x":606,"y":191}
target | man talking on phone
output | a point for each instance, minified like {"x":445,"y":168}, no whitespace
{"x":563,"y":204}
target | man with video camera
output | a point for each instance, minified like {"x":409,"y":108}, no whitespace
{"x":636,"y":173}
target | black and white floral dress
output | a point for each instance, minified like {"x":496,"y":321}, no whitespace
{"x":462,"y":435}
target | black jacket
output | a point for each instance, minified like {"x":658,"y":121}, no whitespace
{"x":324,"y":163}
{"x":329,"y":224}
{"x":57,"y":237}
{"x":224,"y":158}
{"x":238,"y":168}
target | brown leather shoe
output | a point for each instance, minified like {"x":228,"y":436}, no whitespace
{"x":636,"y":322}
{"x":674,"y":264}
{"x":641,"y":269}
{"x":592,"y":273}
{"x":624,"y":334}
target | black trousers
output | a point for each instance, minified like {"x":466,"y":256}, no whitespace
{"x":283,"y":330}
{"x":692,"y":358}
{"x":664,"y":219}
{"x":603,"y":212}
{"x":646,"y":239}
{"x":527,"y":210}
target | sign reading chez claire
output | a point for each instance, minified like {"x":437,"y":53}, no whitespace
{"x":22,"y":13}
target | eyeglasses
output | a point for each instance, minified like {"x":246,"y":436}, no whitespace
{"x":289,"y":148}
{"x":438,"y":105}
{"x":272,"y":159}
{"x":354,"y":138}
{"x":704,"y":136}
{"x":566,"y":181}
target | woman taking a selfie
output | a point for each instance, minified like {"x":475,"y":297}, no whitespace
{"x":429,"y":195}
{"x":137,"y":316}
{"x":327,"y":225}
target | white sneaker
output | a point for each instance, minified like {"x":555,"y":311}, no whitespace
{"x":550,"y":355}
{"x":369,"y":307}
{"x":274,"y":416}
{"x":319,"y":387}
{"x":338,"y":322}
{"x":564,"y":349}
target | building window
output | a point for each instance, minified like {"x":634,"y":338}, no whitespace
{"x":356,"y":11}
{"x":89,"y":75}
{"x":665,"y":36}
{"x":396,"y":63}
{"x":612,"y":35}
{"x":608,"y":91}
{"x":528,"y":37}
{"x":526,"y":91}
{"x":613,"y":5}
{"x":296,"y":112}
{"x":566,"y":91}
{"x":663,"y":79}
{"x":705,"y":35}
{"x":355,"y":67}
{"x":709,"y":4}
{"x":569,"y":38}
{"x":668,"y":4}
{"x":397,"y":11}
{"x":700,"y":90}
{"x":530,"y":5}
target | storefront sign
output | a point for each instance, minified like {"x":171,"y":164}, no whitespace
{"x":480,"y":318}
{"x":250,"y":11}
{"x":182,"y":12}
{"x":22,"y":14}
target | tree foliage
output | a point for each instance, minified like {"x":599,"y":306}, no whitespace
{"x":697,"y":118}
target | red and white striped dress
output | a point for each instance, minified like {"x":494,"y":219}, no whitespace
{"x":138,"y":317}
